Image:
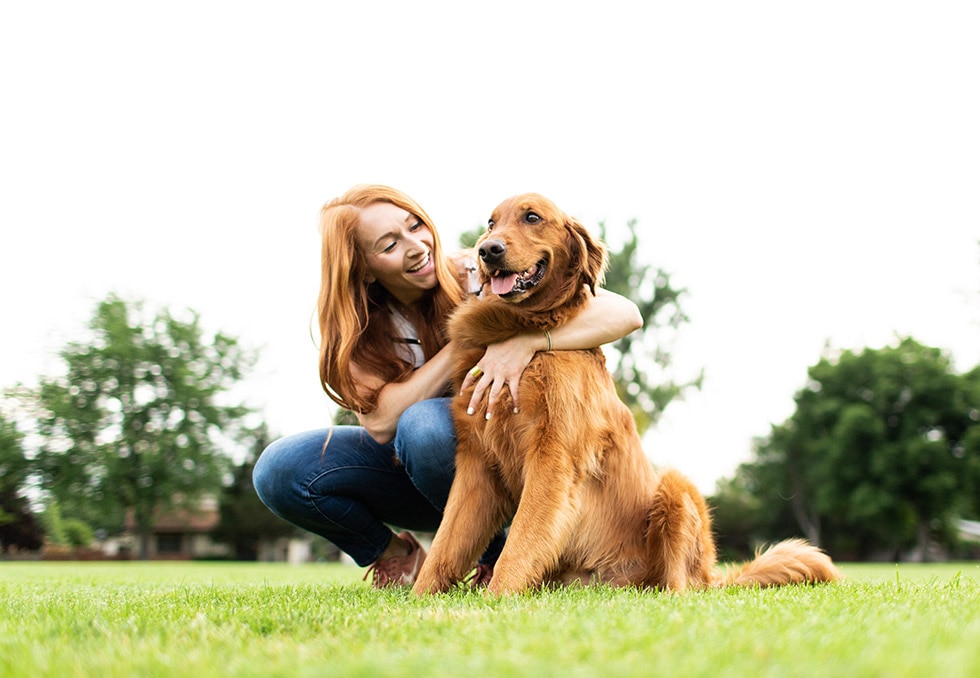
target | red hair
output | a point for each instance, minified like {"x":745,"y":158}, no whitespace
{"x":355,"y":325}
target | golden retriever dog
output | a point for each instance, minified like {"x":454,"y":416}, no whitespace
{"x":567,"y":471}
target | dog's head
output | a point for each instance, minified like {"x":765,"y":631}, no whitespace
{"x":532,"y":250}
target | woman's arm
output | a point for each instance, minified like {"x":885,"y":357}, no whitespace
{"x":606,"y":317}
{"x":428,"y":381}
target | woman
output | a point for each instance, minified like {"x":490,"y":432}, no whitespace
{"x":387,"y":289}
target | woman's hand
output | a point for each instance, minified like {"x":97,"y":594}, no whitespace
{"x":606,"y":317}
{"x":464,"y":261}
{"x":502,"y":366}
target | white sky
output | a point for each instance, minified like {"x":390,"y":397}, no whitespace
{"x":810,"y":172}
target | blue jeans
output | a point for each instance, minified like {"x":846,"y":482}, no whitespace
{"x":352,"y":491}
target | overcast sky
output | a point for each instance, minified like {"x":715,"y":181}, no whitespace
{"x":810,"y":172}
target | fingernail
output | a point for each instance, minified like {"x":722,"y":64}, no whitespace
{"x":469,"y":410}
{"x":515,"y":410}
{"x":488,"y":416}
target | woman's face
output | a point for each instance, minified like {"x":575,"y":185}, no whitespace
{"x":398,"y":249}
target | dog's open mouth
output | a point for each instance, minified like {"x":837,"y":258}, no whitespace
{"x":509,"y":283}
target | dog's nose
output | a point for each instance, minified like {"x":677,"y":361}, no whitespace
{"x":493,"y":251}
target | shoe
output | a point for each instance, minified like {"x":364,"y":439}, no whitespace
{"x":481,"y":576}
{"x":398,"y":570}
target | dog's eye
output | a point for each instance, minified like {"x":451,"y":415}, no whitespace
{"x":489,"y":225}
{"x":532,"y":218}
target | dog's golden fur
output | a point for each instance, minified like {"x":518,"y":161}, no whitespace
{"x":568,"y":471}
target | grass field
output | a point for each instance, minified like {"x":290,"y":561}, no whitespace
{"x":211,"y":619}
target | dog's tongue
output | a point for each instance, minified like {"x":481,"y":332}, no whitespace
{"x":502,"y":284}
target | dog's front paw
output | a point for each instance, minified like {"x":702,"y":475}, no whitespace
{"x":429,"y":582}
{"x":504,"y":583}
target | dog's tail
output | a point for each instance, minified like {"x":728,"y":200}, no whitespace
{"x":794,"y":561}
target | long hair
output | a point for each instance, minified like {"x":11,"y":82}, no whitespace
{"x":355,"y":324}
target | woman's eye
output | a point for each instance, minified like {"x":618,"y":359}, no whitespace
{"x":389,"y":247}
{"x":532,"y":218}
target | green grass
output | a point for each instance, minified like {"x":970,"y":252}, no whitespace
{"x":210,"y":619}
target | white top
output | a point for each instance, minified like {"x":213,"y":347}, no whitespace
{"x":407,"y":339}
{"x":407,"y":336}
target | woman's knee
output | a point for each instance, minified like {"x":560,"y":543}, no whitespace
{"x":433,"y":412}
{"x":278,"y":470}
{"x":426,"y":432}
{"x":266,"y":473}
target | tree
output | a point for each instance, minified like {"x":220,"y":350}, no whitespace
{"x":642,"y":365}
{"x":881,"y":455}
{"x":245,"y":520}
{"x":736,"y":517}
{"x":18,"y":526}
{"x":138,"y":421}
{"x":63,"y":531}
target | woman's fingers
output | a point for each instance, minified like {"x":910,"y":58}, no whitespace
{"x":471,"y":378}
{"x":491,"y":388}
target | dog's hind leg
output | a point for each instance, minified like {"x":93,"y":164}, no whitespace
{"x":475,"y":511}
{"x":679,"y":541}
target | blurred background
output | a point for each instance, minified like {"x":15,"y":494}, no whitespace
{"x":791,"y":189}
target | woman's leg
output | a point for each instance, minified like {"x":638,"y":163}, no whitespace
{"x":426,"y":445}
{"x":347,"y":493}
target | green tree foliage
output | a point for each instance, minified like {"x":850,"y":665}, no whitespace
{"x":881,"y":455}
{"x":735,"y":516}
{"x":642,"y":367}
{"x":138,"y":421}
{"x":18,"y":527}
{"x":65,"y":531}
{"x":245,"y":520}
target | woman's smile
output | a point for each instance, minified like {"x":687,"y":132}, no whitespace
{"x":398,"y":250}
{"x":423,"y":266}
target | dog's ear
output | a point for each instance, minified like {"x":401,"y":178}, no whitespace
{"x":588,"y":254}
